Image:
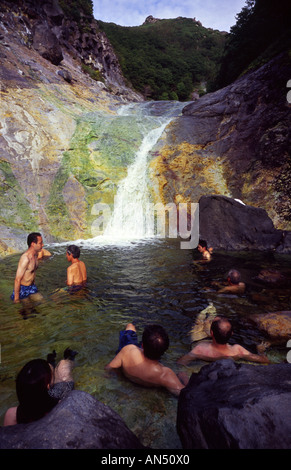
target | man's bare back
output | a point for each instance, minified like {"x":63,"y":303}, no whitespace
{"x":216,"y":349}
{"x":76,"y":274}
{"x":147,"y":372}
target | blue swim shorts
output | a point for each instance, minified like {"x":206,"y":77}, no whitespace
{"x":127,"y":337}
{"x":25,"y":291}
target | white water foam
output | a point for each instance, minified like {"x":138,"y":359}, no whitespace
{"x":132,"y":219}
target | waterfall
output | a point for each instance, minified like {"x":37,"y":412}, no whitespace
{"x":132,"y":217}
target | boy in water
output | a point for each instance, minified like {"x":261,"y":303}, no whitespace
{"x":76,"y":273}
{"x":206,"y":253}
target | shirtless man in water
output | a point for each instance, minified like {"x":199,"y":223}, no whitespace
{"x":76,"y":273}
{"x":142,"y":366}
{"x":205,"y":252}
{"x":24,"y":286}
{"x":218,"y":348}
{"x":234,"y":284}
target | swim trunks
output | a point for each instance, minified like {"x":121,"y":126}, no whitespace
{"x":25,"y":291}
{"x":75,"y":288}
{"x":127,"y":337}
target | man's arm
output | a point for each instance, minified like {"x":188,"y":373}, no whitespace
{"x":184,"y":360}
{"x":248,"y":356}
{"x":83,"y":271}
{"x":70,"y":278}
{"x":22,"y":267}
{"x":116,"y":363}
{"x":10,"y":417}
{"x":46,"y":252}
{"x":171,"y":382}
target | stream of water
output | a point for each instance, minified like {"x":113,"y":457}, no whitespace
{"x":132,"y":277}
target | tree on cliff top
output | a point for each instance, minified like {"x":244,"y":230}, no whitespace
{"x":75,"y":8}
{"x":262,"y":31}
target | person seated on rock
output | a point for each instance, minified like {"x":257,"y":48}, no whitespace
{"x":235,"y":286}
{"x":205,"y":251}
{"x":141,"y":364}
{"x":40,"y":386}
{"x":218,"y":348}
{"x":76,"y":273}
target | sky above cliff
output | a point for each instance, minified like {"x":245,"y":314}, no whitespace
{"x":216,"y":14}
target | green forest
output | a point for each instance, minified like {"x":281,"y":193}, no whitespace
{"x":75,"y":9}
{"x":171,"y":59}
{"x":168,"y":59}
{"x":262,"y":30}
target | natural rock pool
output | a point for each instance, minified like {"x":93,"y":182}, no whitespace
{"x":147,"y":282}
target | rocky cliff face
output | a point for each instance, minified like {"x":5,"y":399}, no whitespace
{"x":59,"y":81}
{"x":43,"y":27}
{"x":235,"y":142}
{"x":45,"y":93}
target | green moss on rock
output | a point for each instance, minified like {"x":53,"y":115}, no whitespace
{"x":15,"y":210}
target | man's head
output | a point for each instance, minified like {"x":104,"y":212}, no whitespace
{"x":155,"y":341}
{"x":74,"y":251}
{"x":221,"y":330}
{"x":36,"y":238}
{"x":234,"y":276}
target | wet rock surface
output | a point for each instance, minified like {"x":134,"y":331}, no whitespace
{"x":236,"y":406}
{"x":78,"y":422}
{"x":233,"y":142}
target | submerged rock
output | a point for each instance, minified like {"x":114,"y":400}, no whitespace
{"x":276,"y":325}
{"x":78,"y":422}
{"x":236,"y":406}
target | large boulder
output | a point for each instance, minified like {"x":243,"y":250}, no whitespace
{"x":236,"y":406}
{"x":47,"y":44}
{"x":227,"y":224}
{"x":77,"y":422}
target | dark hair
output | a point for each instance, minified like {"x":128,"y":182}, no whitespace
{"x":32,"y":391}
{"x":32,"y":238}
{"x":203,"y":243}
{"x":234,"y":276}
{"x":222,"y":330}
{"x":155,"y":341}
{"x":74,"y":250}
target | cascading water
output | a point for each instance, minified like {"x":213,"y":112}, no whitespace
{"x":132,"y":217}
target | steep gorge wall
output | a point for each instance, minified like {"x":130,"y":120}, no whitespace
{"x":235,"y":142}
{"x":56,"y":162}
{"x":46,"y":98}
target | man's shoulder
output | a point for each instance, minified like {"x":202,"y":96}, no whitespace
{"x":131,"y":348}
{"x":25,"y":257}
{"x":202,"y":346}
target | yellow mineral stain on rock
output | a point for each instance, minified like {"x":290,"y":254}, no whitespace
{"x":181,"y":174}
